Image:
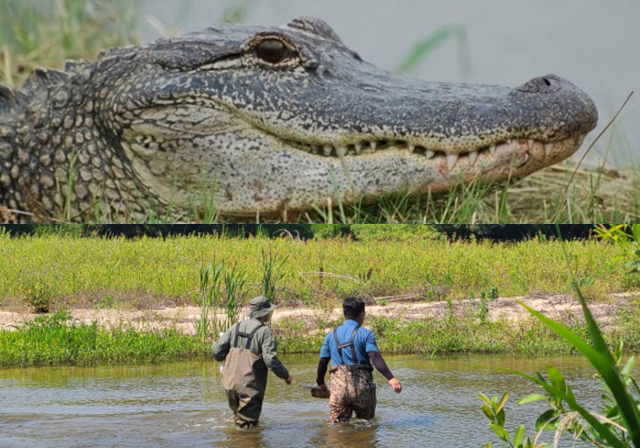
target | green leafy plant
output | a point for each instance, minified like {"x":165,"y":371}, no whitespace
{"x":209,"y":298}
{"x":582,"y":281}
{"x":39,"y":295}
{"x":627,"y":237}
{"x":619,"y":424}
{"x":494,"y":410}
{"x":235,"y":281}
{"x":271,"y":272}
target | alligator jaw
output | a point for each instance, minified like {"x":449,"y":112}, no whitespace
{"x":294,"y":180}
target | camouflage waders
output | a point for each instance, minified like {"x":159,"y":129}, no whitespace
{"x":244,"y":378}
{"x":352,"y":387}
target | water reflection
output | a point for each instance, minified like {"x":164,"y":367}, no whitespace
{"x":183,"y":404}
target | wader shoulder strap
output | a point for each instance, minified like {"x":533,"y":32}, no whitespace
{"x":249,"y":336}
{"x":346,"y":344}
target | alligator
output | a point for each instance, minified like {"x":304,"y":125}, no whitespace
{"x":261,"y":121}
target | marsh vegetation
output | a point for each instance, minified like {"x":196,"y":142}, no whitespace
{"x":464,"y":287}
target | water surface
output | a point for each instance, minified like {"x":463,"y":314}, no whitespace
{"x":183,"y":404}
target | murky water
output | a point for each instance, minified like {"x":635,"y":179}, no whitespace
{"x":183,"y":404}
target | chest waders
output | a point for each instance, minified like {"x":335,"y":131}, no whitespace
{"x":352,"y":386}
{"x":244,"y":378}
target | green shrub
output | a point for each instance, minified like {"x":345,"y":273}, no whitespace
{"x":39,"y":295}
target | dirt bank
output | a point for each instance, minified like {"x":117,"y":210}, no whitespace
{"x":186,"y":318}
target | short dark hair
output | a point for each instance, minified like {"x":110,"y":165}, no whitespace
{"x":352,"y":307}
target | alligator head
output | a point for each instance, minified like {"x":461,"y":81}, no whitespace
{"x":269,"y":119}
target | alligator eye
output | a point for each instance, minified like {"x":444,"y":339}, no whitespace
{"x":272,"y":51}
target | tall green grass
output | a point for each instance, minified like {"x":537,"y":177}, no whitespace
{"x":57,"y":339}
{"x":147,"y":271}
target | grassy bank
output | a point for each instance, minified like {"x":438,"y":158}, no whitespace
{"x":58,"y":340}
{"x":119,"y":274}
{"x":107,"y":273}
{"x":50,"y":340}
{"x":466,"y":331}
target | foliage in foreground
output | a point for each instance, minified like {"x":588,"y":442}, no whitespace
{"x":618,"y":425}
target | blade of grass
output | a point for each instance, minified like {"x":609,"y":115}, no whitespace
{"x":424,"y":48}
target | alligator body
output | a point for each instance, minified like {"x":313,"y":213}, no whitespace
{"x":261,"y":120}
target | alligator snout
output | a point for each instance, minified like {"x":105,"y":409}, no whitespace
{"x":542,"y":84}
{"x":556,"y":105}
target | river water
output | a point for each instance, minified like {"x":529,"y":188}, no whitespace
{"x":590,"y":42}
{"x":183,"y":404}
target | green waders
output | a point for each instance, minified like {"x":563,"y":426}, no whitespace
{"x":244,"y":378}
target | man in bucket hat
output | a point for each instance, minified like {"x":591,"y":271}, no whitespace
{"x":248,"y":349}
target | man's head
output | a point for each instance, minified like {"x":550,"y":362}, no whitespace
{"x":260,"y":308}
{"x":352,"y":307}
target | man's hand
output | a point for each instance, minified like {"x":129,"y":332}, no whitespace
{"x":289,"y":380}
{"x":397,"y":387}
{"x":323,"y":387}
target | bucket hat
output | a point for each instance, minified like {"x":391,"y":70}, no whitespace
{"x":260,"y":306}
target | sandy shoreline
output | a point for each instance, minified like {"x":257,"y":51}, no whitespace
{"x":185,"y":318}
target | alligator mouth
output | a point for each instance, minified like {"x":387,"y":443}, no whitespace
{"x":376,"y":146}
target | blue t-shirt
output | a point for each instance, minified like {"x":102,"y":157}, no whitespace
{"x":364,"y":342}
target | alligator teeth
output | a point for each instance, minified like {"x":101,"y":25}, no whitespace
{"x":373,"y":145}
{"x":412,"y":148}
{"x":548,"y":147}
{"x":429,"y":153}
{"x":530,"y":144}
{"x":341,"y":151}
{"x":451,"y":161}
{"x":513,"y":145}
{"x":358,"y":148}
{"x":473,"y":156}
{"x":492,"y":149}
{"x":327,"y":150}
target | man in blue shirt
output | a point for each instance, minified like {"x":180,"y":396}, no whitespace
{"x":352,"y":350}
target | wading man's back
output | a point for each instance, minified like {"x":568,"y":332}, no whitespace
{"x":353,"y":353}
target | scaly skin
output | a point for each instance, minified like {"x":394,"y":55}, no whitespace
{"x":263,"y":120}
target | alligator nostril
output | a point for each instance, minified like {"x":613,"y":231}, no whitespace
{"x":541,"y":84}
